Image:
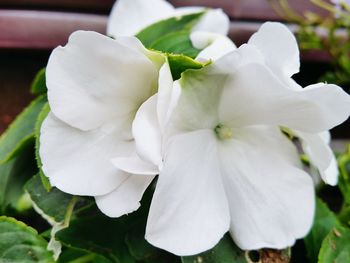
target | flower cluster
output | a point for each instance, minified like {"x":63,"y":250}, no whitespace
{"x":216,"y":137}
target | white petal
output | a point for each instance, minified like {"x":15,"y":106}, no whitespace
{"x":229,"y":63}
{"x":326,"y":136}
{"x":214,"y":45}
{"x":263,"y":99}
{"x":189,"y":212}
{"x":321,"y":155}
{"x":279,"y":47}
{"x":187,"y":10}
{"x":215,"y":21}
{"x":95,"y":79}
{"x":79,"y":162}
{"x":135,"y":165}
{"x":127,"y":17}
{"x":165,"y":95}
{"x":146,"y":132}
{"x":125,"y":198}
{"x":271,"y":201}
{"x":266,"y":138}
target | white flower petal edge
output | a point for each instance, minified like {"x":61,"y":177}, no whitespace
{"x":78,"y":162}
{"x":281,"y":55}
{"x":128,"y":18}
{"x":283,"y":58}
{"x":126,"y":197}
{"x":213,"y":46}
{"x":189,"y":210}
{"x":321,"y":155}
{"x":91,"y":81}
{"x":215,"y":21}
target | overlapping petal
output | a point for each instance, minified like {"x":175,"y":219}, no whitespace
{"x":126,"y":197}
{"x":94,"y":80}
{"x":146,"y":131}
{"x":281,"y":55}
{"x":189,"y":211}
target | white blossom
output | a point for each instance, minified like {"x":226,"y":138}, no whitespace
{"x":129,"y":17}
{"x":95,"y":86}
{"x":282,"y":57}
{"x":225,"y":165}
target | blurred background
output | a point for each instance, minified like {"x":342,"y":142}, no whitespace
{"x":30,"y":29}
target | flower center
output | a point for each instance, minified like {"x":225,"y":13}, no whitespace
{"x":223,"y":132}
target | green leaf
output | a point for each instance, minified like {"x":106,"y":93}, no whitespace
{"x":177,"y":43}
{"x":344,"y":178}
{"x":336,"y":246}
{"x":20,"y":134}
{"x":224,"y":252}
{"x":38,"y":86}
{"x":13,"y":175}
{"x":154,"y":32}
{"x":21,"y":244}
{"x":98,"y":234}
{"x":143,"y":251}
{"x":41,"y":117}
{"x":54,"y":204}
{"x":180,"y":63}
{"x":324,"y":221}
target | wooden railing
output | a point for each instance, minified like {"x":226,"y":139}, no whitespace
{"x":30,"y":29}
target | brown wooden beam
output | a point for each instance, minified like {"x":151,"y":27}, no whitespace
{"x":44,"y":30}
{"x":236,"y":9}
{"x":23,"y":29}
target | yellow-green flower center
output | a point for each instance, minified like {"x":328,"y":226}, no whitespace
{"x":223,"y":132}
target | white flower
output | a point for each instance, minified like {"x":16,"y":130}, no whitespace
{"x":282,"y":57}
{"x":95,"y":86}
{"x":225,"y":165}
{"x":129,"y":17}
{"x":213,"y":46}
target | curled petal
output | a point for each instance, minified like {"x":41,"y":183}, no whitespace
{"x":321,"y":155}
{"x":125,"y":198}
{"x":135,"y":165}
{"x":167,"y":95}
{"x":282,"y":54}
{"x":146,"y":132}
